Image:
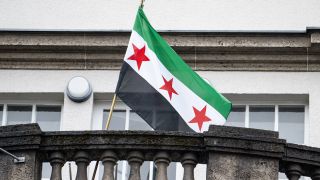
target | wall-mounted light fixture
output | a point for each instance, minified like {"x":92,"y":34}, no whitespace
{"x":79,"y":89}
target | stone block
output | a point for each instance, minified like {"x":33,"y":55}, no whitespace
{"x":222,"y":166}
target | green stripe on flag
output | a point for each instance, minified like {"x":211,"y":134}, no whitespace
{"x":173,"y":62}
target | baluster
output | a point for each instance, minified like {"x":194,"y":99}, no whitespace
{"x":109,"y":160}
{"x":316,"y":174}
{"x":293,"y":171}
{"x":56,"y":161}
{"x":189,"y":162}
{"x":135,"y":159}
{"x":82,"y":161}
{"x":162,"y":161}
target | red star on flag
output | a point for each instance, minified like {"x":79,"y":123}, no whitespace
{"x":200,"y":117}
{"x":139,"y":55}
{"x":168,"y":87}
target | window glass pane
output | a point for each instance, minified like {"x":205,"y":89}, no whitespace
{"x":48,"y":117}
{"x":46,"y":170}
{"x":1,"y":112}
{"x":291,"y":123}
{"x":19,"y":114}
{"x":137,"y":123}
{"x":282,"y":176}
{"x":118,"y":120}
{"x":236,"y":116}
{"x":261,"y":117}
{"x":172,"y":171}
{"x":120,"y":170}
{"x":145,"y":170}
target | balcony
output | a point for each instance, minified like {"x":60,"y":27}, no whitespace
{"x":230,"y":153}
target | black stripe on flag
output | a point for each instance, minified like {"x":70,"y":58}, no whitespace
{"x":148,"y":103}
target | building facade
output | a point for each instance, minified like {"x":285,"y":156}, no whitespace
{"x":272,"y":79}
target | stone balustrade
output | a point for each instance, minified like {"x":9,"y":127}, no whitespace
{"x":229,"y":152}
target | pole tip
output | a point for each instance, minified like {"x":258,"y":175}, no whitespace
{"x":141,"y":3}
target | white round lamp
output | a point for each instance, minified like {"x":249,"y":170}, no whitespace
{"x":79,"y":89}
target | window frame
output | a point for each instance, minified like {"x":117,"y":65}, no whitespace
{"x":276,"y":112}
{"x":34,"y":105}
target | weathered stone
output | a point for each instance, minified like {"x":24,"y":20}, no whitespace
{"x":30,"y":169}
{"x":244,"y":141}
{"x":223,"y":166}
{"x":56,"y":161}
{"x":297,"y":153}
{"x":109,"y":160}
{"x":82,"y":160}
{"x":162,"y":161}
{"x":22,"y":141}
{"x":239,"y":149}
{"x":293,"y":171}
{"x":189,"y":162}
{"x":315,"y":174}
{"x":229,"y":51}
{"x":242,"y":154}
{"x":135,"y":160}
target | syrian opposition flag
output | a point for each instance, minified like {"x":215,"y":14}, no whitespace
{"x":161,"y":88}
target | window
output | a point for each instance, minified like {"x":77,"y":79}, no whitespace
{"x":19,"y":114}
{"x":118,"y":120}
{"x":261,"y":117}
{"x":47,"y":116}
{"x":289,"y":120}
{"x":291,"y":123}
{"x":237,"y":116}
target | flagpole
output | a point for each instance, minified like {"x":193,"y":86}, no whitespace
{"x":111,"y":110}
{"x":107,"y":128}
{"x":141,"y":3}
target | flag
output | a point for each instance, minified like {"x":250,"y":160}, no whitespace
{"x":162,"y":89}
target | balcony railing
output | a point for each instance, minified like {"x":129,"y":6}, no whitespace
{"x":229,"y":152}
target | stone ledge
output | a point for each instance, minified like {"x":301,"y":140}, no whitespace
{"x":207,"y":51}
{"x":297,"y":153}
{"x":244,"y":141}
{"x":20,"y":137}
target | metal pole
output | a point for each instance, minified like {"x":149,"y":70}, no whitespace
{"x":16,"y":159}
{"x":107,"y":128}
{"x":95,"y":170}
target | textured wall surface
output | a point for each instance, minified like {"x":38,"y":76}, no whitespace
{"x":21,"y":171}
{"x":223,"y":166}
